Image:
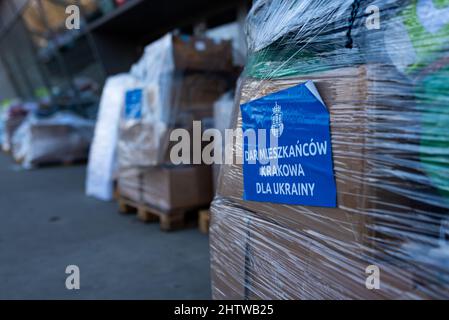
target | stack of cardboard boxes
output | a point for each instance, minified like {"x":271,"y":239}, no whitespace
{"x":283,"y":251}
{"x":388,"y":213}
{"x":181,"y":78}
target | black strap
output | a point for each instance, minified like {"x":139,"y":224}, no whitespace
{"x":354,"y":9}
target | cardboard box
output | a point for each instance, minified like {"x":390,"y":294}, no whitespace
{"x":167,"y":187}
{"x":193,"y":94}
{"x":254,"y":257}
{"x":339,"y":92}
{"x":202,"y":54}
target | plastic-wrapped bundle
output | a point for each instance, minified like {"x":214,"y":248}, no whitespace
{"x":388,"y":110}
{"x":102,"y":166}
{"x":179,"y":79}
{"x":62,"y":137}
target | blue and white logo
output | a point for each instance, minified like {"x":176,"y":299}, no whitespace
{"x":277,"y":126}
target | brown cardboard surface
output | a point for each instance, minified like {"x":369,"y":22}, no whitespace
{"x":167,"y":187}
{"x":311,"y":252}
{"x":265,"y":260}
{"x":198,"y":53}
{"x":337,"y":90}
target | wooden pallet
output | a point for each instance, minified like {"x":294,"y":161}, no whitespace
{"x":63,"y":163}
{"x":169,"y":220}
{"x":204,"y":221}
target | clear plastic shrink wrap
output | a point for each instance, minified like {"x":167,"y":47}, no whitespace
{"x":223,"y":108}
{"x":12,"y":116}
{"x":387,"y":94}
{"x":102,"y":166}
{"x":64,"y":136}
{"x":179,"y":79}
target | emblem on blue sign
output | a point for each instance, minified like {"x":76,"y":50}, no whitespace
{"x":296,"y":168}
{"x":133,"y":104}
{"x":277,"y":126}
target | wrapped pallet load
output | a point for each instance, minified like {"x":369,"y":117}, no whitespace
{"x":351,"y":199}
{"x":179,"y":78}
{"x":63,"y":137}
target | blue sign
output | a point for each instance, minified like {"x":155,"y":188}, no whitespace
{"x":292,"y":162}
{"x":133,"y":104}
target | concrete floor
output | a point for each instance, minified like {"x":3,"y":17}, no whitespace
{"x":47,"y":223}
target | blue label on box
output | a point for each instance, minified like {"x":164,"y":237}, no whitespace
{"x":133,"y":104}
{"x":287,"y":149}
